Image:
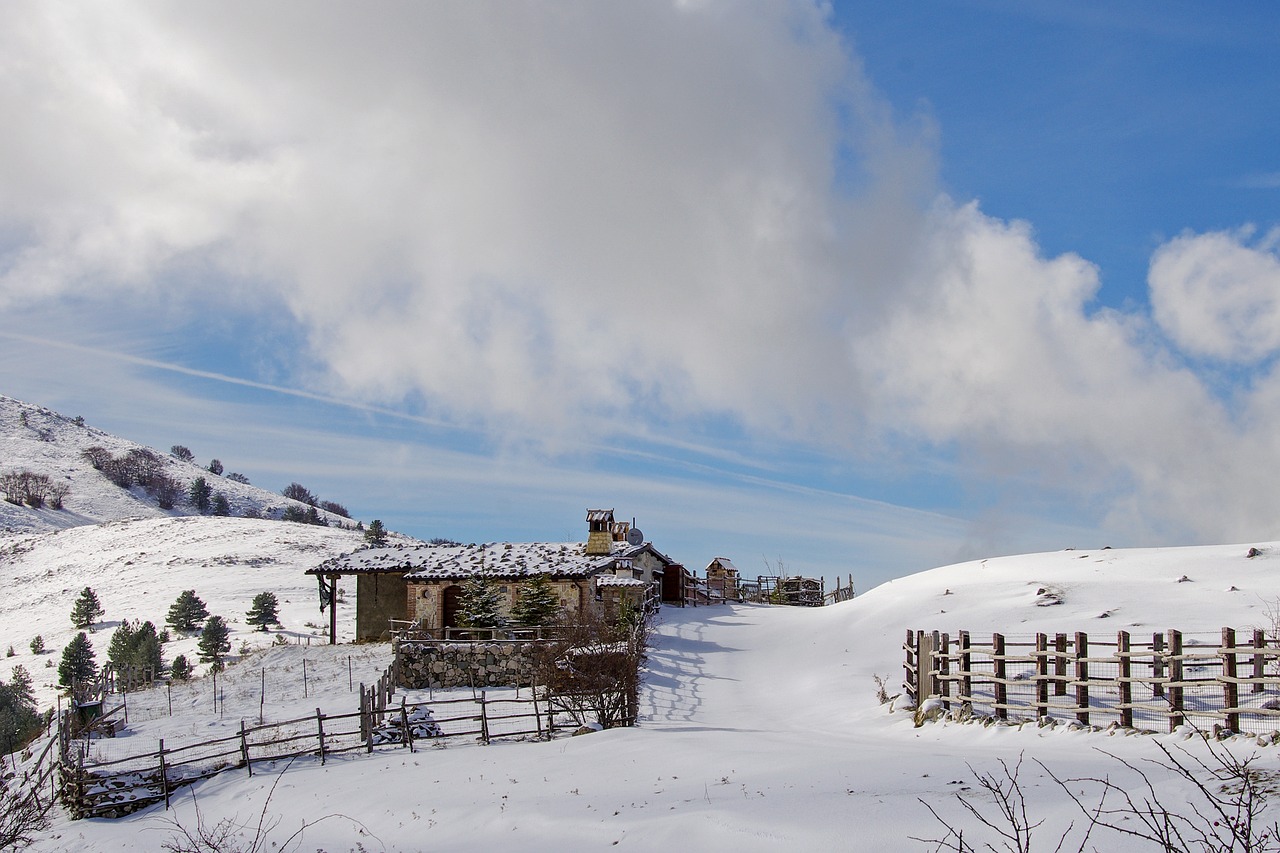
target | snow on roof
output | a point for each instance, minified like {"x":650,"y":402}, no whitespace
{"x":616,"y":580}
{"x":495,"y":559}
{"x":725,"y":562}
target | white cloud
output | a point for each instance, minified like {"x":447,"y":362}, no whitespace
{"x":1218,"y":297}
{"x":600,"y":219}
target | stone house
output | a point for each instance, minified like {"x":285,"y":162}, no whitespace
{"x":420,"y":585}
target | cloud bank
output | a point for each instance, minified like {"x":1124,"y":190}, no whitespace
{"x":609,"y":218}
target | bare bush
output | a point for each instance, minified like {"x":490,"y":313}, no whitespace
{"x":1223,"y":811}
{"x":22,"y":818}
{"x":229,"y":835}
{"x":25,"y":487}
{"x":96,"y":456}
{"x":593,"y":672}
{"x":299,"y":493}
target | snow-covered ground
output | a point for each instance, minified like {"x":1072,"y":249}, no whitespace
{"x":760,"y":726}
{"x":760,"y":729}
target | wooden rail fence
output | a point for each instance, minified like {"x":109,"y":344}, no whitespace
{"x":114,"y":787}
{"x":1230,"y":682}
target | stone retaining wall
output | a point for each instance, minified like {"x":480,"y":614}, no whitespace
{"x":450,"y":664}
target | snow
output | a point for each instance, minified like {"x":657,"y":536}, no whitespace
{"x":42,"y":441}
{"x":760,"y":728}
{"x":759,"y":724}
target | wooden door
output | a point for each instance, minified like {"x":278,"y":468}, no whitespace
{"x":451,"y":606}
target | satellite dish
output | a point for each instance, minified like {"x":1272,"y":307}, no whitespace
{"x":635,"y":537}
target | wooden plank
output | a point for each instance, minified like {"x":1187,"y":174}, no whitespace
{"x":1082,"y":677}
{"x":1174,"y":687}
{"x":1000,"y":680}
{"x":1060,"y":665}
{"x":1125,"y":679}
{"x":1230,"y":690}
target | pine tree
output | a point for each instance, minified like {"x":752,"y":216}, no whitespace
{"x":78,"y":663}
{"x":37,"y":645}
{"x":87,"y":609}
{"x":187,"y":612}
{"x":376,"y":534}
{"x":214,"y":642}
{"x":18,"y":719}
{"x":120,"y":649}
{"x":145,"y":653}
{"x":480,"y":605}
{"x":264,"y":611}
{"x":199,"y":493}
{"x":21,"y":685}
{"x":181,"y":670}
{"x":221,"y":506}
{"x":536,"y":602}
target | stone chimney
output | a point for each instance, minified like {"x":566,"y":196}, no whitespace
{"x":599,"y":532}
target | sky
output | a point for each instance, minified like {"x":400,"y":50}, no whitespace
{"x":854,"y":289}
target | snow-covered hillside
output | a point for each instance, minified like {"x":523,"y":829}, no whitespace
{"x":138,"y":568}
{"x":760,"y":728}
{"x":44,"y":442}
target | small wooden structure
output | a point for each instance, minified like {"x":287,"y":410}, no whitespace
{"x":722,"y":580}
{"x":795,"y":591}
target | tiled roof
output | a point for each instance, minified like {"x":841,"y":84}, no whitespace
{"x":496,"y":559}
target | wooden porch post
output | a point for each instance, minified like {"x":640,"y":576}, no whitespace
{"x":333,"y":610}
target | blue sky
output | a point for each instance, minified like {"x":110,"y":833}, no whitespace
{"x":863,"y":290}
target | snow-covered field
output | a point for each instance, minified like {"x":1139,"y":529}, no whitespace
{"x":760,"y":726}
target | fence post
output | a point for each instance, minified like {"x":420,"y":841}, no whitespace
{"x":966,"y":668}
{"x":484,"y":720}
{"x":1175,"y":680}
{"x":1125,"y":679}
{"x":1157,"y":664}
{"x":1230,"y":689}
{"x":244,"y":749}
{"x":537,"y":715}
{"x":944,"y":671}
{"x":1042,"y":675}
{"x":164,"y":781}
{"x":909,"y":681}
{"x":1082,"y":677}
{"x":1259,"y":659}
{"x":1001,"y":688}
{"x":1060,"y":665}
{"x":320,"y":732}
{"x":364,"y":721}
{"x":404,"y":725}
{"x":935,"y":683}
{"x":924,"y":666}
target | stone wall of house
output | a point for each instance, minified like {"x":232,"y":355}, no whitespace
{"x":647,"y":564}
{"x":446,"y":665}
